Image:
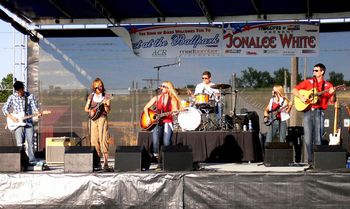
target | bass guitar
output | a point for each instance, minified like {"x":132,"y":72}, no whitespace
{"x":334,"y":138}
{"x":154,"y":118}
{"x":312,"y":97}
{"x":12,"y":125}
{"x":273,"y":115}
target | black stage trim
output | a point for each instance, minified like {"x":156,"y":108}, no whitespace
{"x":214,"y":146}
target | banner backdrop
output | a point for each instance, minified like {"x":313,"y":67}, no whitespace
{"x":228,"y":39}
{"x":271,"y":39}
{"x":174,"y":41}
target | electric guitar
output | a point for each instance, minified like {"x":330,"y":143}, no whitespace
{"x":334,"y":139}
{"x":154,"y":118}
{"x":12,"y":125}
{"x":312,"y":97}
{"x":273,"y":115}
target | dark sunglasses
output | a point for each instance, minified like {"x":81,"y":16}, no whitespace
{"x":315,"y":70}
{"x":163,"y":86}
{"x":205,"y":78}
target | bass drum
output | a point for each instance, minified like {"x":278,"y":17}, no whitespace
{"x":189,"y":119}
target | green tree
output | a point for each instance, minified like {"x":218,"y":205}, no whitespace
{"x":279,"y":76}
{"x":6,"y":87}
{"x":255,"y":79}
{"x":336,"y":78}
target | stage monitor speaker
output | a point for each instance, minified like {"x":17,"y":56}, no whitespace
{"x":55,"y":148}
{"x":131,"y":158}
{"x":177,"y":158}
{"x":278,"y":154}
{"x":80,"y":159}
{"x":13,"y":159}
{"x":295,"y":135}
{"x":329,"y":157}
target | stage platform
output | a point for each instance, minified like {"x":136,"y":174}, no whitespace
{"x":229,"y":185}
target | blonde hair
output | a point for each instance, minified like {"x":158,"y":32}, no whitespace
{"x":172,"y":92}
{"x":279,"y":89}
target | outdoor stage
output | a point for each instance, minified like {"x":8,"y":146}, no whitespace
{"x":246,"y":185}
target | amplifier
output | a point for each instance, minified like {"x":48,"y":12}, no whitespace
{"x":55,"y":147}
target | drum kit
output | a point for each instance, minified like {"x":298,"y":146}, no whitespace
{"x":198,"y":111}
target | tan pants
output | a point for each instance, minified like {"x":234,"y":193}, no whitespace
{"x":99,"y":135}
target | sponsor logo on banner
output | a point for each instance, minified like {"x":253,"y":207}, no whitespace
{"x":271,"y":39}
{"x":173,"y":41}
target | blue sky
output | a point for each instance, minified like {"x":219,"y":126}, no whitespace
{"x":334,"y":53}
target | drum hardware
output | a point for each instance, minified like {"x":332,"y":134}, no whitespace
{"x":220,"y":86}
{"x":207,"y":123}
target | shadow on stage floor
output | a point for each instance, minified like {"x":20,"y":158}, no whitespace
{"x":232,"y":185}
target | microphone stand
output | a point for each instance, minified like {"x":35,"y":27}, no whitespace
{"x":178,"y":61}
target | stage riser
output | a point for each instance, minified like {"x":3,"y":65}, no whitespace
{"x":176,"y":190}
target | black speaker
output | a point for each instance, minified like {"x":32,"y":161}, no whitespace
{"x":295,"y":135}
{"x":13,"y":159}
{"x":80,"y":159}
{"x":131,"y":158}
{"x":278,"y":154}
{"x":329,"y":157}
{"x":177,"y":158}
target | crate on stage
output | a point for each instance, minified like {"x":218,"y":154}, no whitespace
{"x":55,"y":147}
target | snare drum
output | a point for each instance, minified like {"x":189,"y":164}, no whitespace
{"x":189,"y":119}
{"x":202,"y":100}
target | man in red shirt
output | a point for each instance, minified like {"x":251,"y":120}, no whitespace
{"x":314,"y":113}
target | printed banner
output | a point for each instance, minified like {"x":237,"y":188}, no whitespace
{"x":271,"y":39}
{"x":230,"y":39}
{"x":174,"y":41}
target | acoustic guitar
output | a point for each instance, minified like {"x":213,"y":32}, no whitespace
{"x":97,"y":111}
{"x":334,"y":138}
{"x":154,"y":118}
{"x":312,"y":97}
{"x":12,"y":125}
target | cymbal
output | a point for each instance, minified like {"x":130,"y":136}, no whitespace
{"x":220,"y":86}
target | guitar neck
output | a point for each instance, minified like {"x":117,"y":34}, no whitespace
{"x":336,"y":107}
{"x":28,"y":116}
{"x":166,"y":113}
{"x":327,"y":90}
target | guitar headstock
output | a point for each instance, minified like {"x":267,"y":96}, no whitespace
{"x":340,"y":87}
{"x":46,"y":112}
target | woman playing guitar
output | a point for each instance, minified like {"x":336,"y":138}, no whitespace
{"x":167,"y":101}
{"x":98,"y":105}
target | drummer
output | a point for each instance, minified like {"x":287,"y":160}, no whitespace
{"x":205,"y":88}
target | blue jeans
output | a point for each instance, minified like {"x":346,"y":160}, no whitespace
{"x":26,"y":133}
{"x":281,"y":127}
{"x":313,"y":130}
{"x":218,"y":111}
{"x":160,"y":132}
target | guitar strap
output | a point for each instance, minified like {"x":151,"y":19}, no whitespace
{"x":25,"y":104}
